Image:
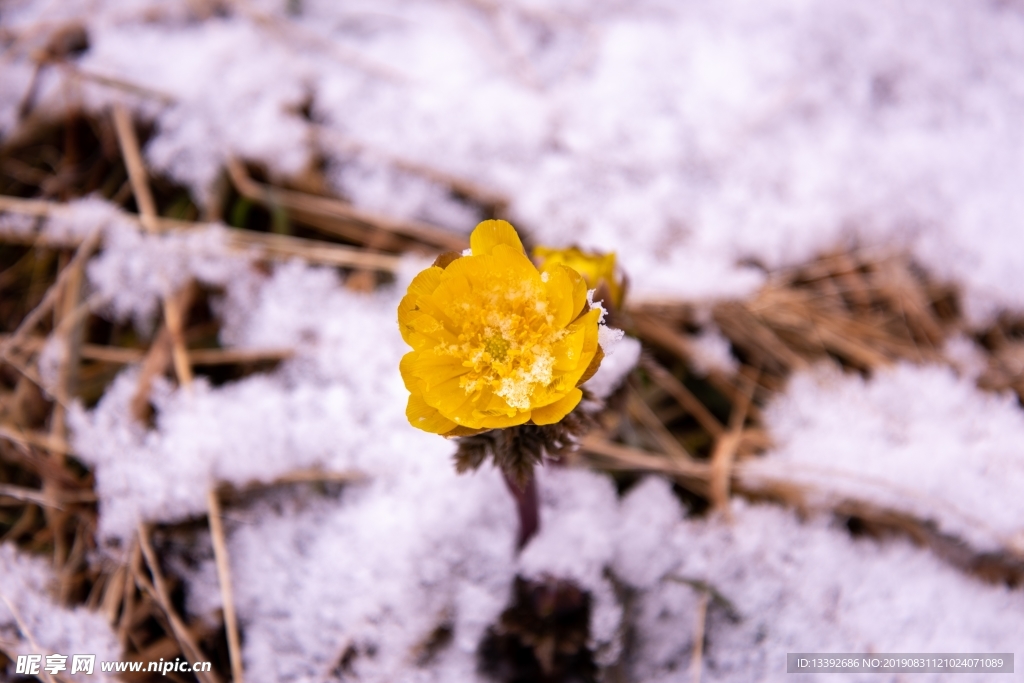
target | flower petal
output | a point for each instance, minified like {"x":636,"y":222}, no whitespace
{"x":422,"y":286}
{"x":496,"y":412}
{"x":500,"y":420}
{"x":568,"y":350}
{"x":503,"y":270}
{"x":587,"y":322}
{"x":426,"y":417}
{"x":579,"y":296}
{"x":598,"y":269}
{"x":554,"y":412}
{"x":566,"y":293}
{"x":452,"y":400}
{"x":426,"y":332}
{"x":595,"y":364}
{"x":465,"y":431}
{"x":513,"y":266}
{"x":430,"y":369}
{"x":489,"y":234}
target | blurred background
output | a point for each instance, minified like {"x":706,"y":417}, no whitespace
{"x":809,"y":441}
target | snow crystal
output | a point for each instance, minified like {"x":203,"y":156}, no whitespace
{"x":578,"y":509}
{"x":729,"y":135}
{"x":711,"y":352}
{"x":785,"y":585}
{"x":80,"y":218}
{"x":917,"y":439}
{"x":619,"y":360}
{"x":965,"y":355}
{"x":38,"y":625}
{"x":374,"y":574}
{"x":401,"y":194}
{"x":137,"y":270}
{"x":17,"y":225}
{"x":338,"y":404}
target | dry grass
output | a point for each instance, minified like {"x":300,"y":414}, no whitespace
{"x":862,"y":310}
{"x":47,"y":502}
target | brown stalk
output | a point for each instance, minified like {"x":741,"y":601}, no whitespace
{"x":197,"y":357}
{"x":36,"y":315}
{"x":677,"y":390}
{"x":727,"y":445}
{"x":722,"y":458}
{"x":337,"y":209}
{"x":268,"y":245}
{"x":28,"y":495}
{"x":75,"y":559}
{"x":157,"y":589}
{"x":118,"y":83}
{"x":136,"y":167}
{"x":220,"y":554}
{"x":26,"y":439}
{"x":855,"y":284}
{"x":114,"y":593}
{"x":29,"y":373}
{"x":697,"y":657}
{"x":652,"y":327}
{"x":286,"y":246}
{"x":157,"y":359}
{"x":46,"y":468}
{"x":669,"y":444}
{"x":1003,"y":566}
{"x":128,"y":609}
{"x":319,"y":476}
{"x":695,"y":475}
{"x":62,"y":296}
{"x":25,"y":523}
{"x":174,"y":308}
{"x":739,"y":324}
{"x":69,"y":330}
{"x":496,"y":202}
{"x":347,"y":229}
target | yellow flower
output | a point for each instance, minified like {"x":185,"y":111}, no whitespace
{"x":496,"y":342}
{"x":595,"y":267}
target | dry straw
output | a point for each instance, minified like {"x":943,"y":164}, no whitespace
{"x":863,"y":310}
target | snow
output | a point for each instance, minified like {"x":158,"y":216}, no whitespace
{"x":578,"y":509}
{"x":726,"y":132}
{"x":137,"y":270}
{"x":37,"y":625}
{"x":621,"y":354}
{"x":712,"y":352}
{"x":916,"y":439}
{"x":337,"y":405}
{"x":315,"y":580}
{"x":316,"y":576}
{"x":797,"y":586}
{"x":701,"y":142}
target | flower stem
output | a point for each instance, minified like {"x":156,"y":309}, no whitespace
{"x":527,"y":505}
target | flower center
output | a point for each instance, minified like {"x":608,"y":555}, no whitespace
{"x":506,"y":343}
{"x":497,"y":346}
